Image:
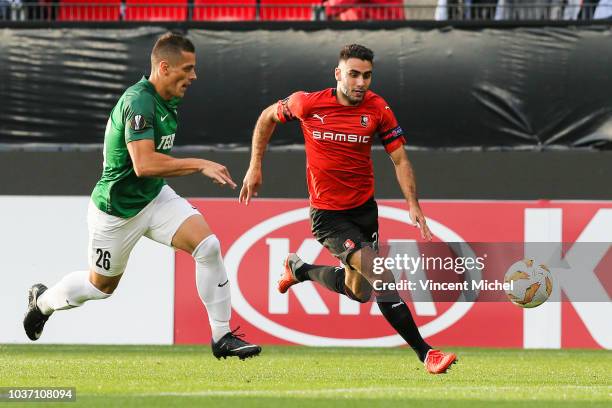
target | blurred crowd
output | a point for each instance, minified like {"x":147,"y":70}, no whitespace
{"x":19,"y":10}
{"x":523,"y":10}
{"x":348,"y":10}
{"x":359,"y":10}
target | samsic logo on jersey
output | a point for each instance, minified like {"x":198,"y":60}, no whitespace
{"x":340,"y":137}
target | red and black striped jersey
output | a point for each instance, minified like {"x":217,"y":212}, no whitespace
{"x":338,"y":141}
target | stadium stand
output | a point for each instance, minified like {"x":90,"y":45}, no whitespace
{"x":302,"y":10}
{"x":353,"y":10}
{"x":288,"y":10}
{"x":224,"y":10}
{"x":155,"y":10}
{"x":102,"y":10}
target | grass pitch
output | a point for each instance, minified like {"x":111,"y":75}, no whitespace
{"x":179,"y":376}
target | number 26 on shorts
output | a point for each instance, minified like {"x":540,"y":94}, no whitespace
{"x":103,"y":260}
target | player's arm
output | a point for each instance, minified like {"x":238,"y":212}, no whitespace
{"x":407,"y":183}
{"x":149,"y":163}
{"x":264,"y":128}
{"x":139,"y":116}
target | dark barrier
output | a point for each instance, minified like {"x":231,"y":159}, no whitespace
{"x":570,"y":174}
{"x":450,"y":88}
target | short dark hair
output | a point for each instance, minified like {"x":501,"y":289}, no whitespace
{"x":356,"y":51}
{"x":169,"y":47}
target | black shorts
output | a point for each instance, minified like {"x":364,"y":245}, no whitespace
{"x":343,"y":232}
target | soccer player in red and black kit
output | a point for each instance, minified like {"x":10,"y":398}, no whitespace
{"x":339,"y":127}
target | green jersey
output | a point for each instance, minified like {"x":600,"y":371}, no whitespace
{"x":140,"y":113}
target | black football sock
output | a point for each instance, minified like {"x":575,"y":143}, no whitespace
{"x":399,"y":317}
{"x":328,"y":276}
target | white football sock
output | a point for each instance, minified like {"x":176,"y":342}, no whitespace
{"x":72,"y":291}
{"x":213,"y":286}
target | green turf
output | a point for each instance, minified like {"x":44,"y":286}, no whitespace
{"x":168,"y":376}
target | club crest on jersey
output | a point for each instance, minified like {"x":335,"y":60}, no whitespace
{"x":348,"y":244}
{"x":365,"y":120}
{"x":138,"y":123}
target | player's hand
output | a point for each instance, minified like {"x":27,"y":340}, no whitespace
{"x":418,"y":220}
{"x":218,"y":173}
{"x":250,"y":185}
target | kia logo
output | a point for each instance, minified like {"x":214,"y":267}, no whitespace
{"x":242,"y":245}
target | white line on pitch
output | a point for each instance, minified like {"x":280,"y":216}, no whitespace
{"x":345,"y":391}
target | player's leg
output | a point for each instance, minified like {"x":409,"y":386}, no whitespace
{"x":175,"y":222}
{"x":76,"y":288}
{"x":360,"y":259}
{"x":195,"y":237}
{"x":335,"y":231}
{"x":338,"y":279}
{"x":296,"y":270}
{"x":393,"y":308}
{"x":111,"y":240}
{"x":350,"y":245}
{"x":352,"y":237}
{"x":357,"y":285}
{"x":71,"y":291}
{"x":390,"y":303}
{"x":397,"y":313}
{"x":356,"y":282}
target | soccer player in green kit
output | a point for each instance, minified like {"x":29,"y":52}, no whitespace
{"x":131,"y":199}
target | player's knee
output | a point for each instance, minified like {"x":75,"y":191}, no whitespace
{"x":359,"y":289}
{"x":106,"y":285}
{"x":361,"y":298}
{"x":362,"y":295}
{"x":107,"y":290}
{"x":362,"y":261}
{"x":209,"y":248}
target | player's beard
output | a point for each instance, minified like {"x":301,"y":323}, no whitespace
{"x":345,"y":92}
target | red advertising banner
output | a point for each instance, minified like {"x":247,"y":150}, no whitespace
{"x":256,"y":239}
